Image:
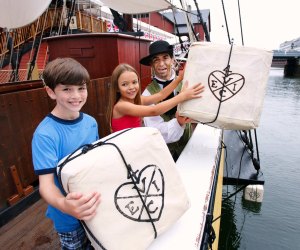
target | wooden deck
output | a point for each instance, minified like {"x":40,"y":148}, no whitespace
{"x":29,"y":230}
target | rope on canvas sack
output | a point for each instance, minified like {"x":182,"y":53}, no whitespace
{"x":85,"y":149}
{"x":227,"y":72}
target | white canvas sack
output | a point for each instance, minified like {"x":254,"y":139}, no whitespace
{"x":235,"y":84}
{"x":117,"y":166}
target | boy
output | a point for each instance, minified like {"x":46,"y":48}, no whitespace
{"x":60,"y":133}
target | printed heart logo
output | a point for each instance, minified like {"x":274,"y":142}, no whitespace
{"x":150,"y":188}
{"x":224,"y":86}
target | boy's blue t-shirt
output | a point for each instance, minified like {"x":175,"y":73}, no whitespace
{"x":54,"y":139}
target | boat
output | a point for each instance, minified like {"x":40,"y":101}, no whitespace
{"x":24,"y":104}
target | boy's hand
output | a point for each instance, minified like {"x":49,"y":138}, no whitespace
{"x":82,"y":207}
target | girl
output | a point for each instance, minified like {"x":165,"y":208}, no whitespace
{"x":127,"y":106}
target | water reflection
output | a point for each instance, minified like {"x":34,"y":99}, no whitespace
{"x":235,"y":212}
{"x":279,"y":85}
{"x":251,"y":206}
{"x":229,"y":234}
{"x":272,"y":224}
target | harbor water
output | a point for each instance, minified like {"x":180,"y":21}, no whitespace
{"x":273,"y":224}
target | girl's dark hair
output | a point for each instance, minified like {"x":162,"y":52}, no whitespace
{"x":66,"y":71}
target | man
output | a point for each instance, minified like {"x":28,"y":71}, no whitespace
{"x":171,"y":125}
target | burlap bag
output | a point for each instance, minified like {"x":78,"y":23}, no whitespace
{"x":235,"y":84}
{"x":142,"y":194}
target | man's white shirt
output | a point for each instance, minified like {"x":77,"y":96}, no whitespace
{"x":171,"y":130}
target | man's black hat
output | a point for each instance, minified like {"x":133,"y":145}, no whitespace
{"x":157,"y":47}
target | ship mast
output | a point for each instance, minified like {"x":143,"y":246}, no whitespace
{"x":187,"y":11}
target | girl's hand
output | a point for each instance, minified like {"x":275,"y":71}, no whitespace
{"x":193,"y":92}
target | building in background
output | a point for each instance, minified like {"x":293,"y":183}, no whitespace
{"x":291,"y":45}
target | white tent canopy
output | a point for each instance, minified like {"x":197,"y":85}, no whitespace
{"x":136,"y":6}
{"x":16,"y":13}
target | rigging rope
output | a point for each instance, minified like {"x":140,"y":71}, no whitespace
{"x":226,"y":22}
{"x":249,"y":145}
{"x":70,"y":14}
{"x":37,"y":48}
{"x":189,"y":23}
{"x":255,"y":161}
{"x":6,"y":45}
{"x":20,"y":53}
{"x":34,"y":39}
{"x":256,"y":144}
{"x":227,"y":71}
{"x":241,"y":22}
{"x":14,"y":59}
{"x":61,"y":21}
{"x":202,"y":23}
{"x":177,"y":31}
{"x":53,"y":18}
{"x":11,"y":50}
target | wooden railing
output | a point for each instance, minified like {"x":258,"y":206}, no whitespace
{"x":47,"y":21}
{"x":90,"y":23}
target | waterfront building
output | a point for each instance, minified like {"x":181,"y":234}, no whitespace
{"x":291,"y":45}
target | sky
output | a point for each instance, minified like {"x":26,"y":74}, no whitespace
{"x":265,"y":23}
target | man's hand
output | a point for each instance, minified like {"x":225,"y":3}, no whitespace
{"x":181,"y":74}
{"x":182,"y":119}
